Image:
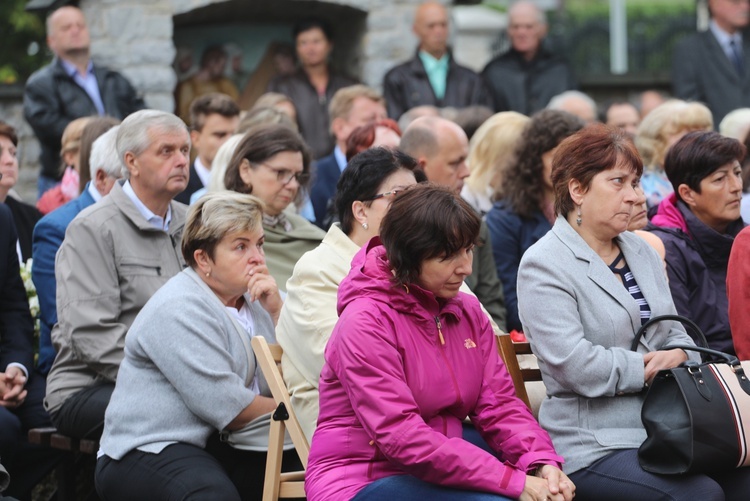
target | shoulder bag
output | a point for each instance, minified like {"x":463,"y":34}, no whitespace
{"x":696,"y":415}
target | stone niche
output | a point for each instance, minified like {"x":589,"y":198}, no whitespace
{"x":137,"y":37}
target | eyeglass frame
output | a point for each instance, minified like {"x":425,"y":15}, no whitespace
{"x":393,"y":192}
{"x":301,"y":177}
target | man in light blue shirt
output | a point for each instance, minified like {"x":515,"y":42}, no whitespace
{"x":70,"y":87}
{"x":116,"y":254}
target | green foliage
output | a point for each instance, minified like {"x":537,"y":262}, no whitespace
{"x":23,"y":48}
{"x":583,"y":9}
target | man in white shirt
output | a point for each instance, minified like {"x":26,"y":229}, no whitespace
{"x":116,"y":254}
{"x":213,"y":120}
{"x":714,"y":66}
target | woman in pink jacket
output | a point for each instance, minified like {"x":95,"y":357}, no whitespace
{"x":409,"y":359}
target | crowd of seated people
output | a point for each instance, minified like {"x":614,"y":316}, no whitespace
{"x":383,"y":255}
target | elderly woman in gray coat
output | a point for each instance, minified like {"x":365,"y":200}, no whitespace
{"x":189,"y":372}
{"x":599,"y":283}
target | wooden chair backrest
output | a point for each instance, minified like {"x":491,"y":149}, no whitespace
{"x":280,"y":485}
{"x":509,"y":352}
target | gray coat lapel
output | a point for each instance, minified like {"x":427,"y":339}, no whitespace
{"x":598,"y":272}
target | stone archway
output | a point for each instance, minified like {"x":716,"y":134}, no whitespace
{"x":137,"y":37}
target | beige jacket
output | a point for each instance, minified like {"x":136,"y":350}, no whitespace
{"x":308,"y":317}
{"x":111,"y":262}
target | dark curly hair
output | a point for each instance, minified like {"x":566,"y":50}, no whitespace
{"x":521,"y":186}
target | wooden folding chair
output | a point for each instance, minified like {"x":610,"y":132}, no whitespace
{"x":509,"y":352}
{"x":279,"y":485}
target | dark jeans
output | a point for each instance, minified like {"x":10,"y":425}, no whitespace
{"x":82,"y":414}
{"x":619,"y":477}
{"x":26,"y":463}
{"x":409,"y":488}
{"x":186,"y":472}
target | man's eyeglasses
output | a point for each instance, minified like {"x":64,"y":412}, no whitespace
{"x":388,"y":194}
{"x":284,"y":176}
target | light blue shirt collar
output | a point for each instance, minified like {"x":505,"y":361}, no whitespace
{"x":204,"y":174}
{"x":94,"y":192}
{"x":87,"y":82}
{"x":340,"y":158}
{"x":724,"y":38}
{"x":154,"y":220}
{"x":437,"y":72}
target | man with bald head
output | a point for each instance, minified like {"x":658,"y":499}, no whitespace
{"x":441,"y":148}
{"x":525,"y":78}
{"x":70,"y":87}
{"x":713,"y":66}
{"x":432,"y":76}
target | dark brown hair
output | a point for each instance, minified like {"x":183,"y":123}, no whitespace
{"x":9,"y":132}
{"x":698,"y":155}
{"x":210,"y":104}
{"x":585,"y":154}
{"x":424,"y":222}
{"x":260,"y":144}
{"x":522,"y":182}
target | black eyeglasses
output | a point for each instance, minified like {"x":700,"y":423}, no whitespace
{"x":388,"y":194}
{"x":284,"y":176}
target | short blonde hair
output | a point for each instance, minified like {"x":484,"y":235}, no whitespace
{"x":491,"y":147}
{"x":343,"y":100}
{"x":673,"y":117}
{"x":71,"y":138}
{"x":216,"y":215}
{"x":735,"y":124}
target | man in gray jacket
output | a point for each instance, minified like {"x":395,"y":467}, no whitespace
{"x":115,"y":256}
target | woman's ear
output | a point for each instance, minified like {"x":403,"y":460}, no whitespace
{"x":575,"y":188}
{"x":246,"y":172}
{"x":687,"y":194}
{"x":202,"y":261}
{"x":359,"y":211}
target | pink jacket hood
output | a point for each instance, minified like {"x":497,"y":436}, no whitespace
{"x":669,"y":216}
{"x":402,"y":372}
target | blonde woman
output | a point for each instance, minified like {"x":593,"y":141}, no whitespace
{"x":490,"y":148}
{"x":662,"y":128}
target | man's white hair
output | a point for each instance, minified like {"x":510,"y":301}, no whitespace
{"x":104,"y":156}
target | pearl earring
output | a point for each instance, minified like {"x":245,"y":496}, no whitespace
{"x":208,"y":274}
{"x":365,"y":226}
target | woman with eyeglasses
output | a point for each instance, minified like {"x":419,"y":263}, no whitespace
{"x":273,"y":163}
{"x":365,"y":191}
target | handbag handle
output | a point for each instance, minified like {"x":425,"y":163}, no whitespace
{"x":689,"y":324}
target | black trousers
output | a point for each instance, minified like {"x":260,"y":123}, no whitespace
{"x":186,"y":472}
{"x":619,"y":477}
{"x":26,"y":463}
{"x":82,"y":414}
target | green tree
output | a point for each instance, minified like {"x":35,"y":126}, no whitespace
{"x":23,"y":48}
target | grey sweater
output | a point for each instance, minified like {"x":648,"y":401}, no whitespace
{"x":184,"y":372}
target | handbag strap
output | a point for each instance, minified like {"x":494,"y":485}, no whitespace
{"x":689,"y":324}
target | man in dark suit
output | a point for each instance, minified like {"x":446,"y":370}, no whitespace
{"x":49,"y":233}
{"x":350,"y":107}
{"x":21,"y":390}
{"x":714,"y":66}
{"x":213,"y":120}
{"x":70,"y":87}
{"x":432,"y":76}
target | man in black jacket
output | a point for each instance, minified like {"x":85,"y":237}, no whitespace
{"x":432,"y":76}
{"x":70,"y":87}
{"x":527,"y":76}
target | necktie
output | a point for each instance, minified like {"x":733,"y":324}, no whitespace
{"x":736,"y":57}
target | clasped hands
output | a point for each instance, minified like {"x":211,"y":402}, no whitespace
{"x":549,"y":484}
{"x":12,"y":383}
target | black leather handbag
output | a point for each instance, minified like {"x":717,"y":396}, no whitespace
{"x":697,"y":415}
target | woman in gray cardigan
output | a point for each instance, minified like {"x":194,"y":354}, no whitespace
{"x":598,"y":283}
{"x":189,"y":372}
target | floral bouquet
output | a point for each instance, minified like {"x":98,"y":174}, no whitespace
{"x":28,"y":284}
